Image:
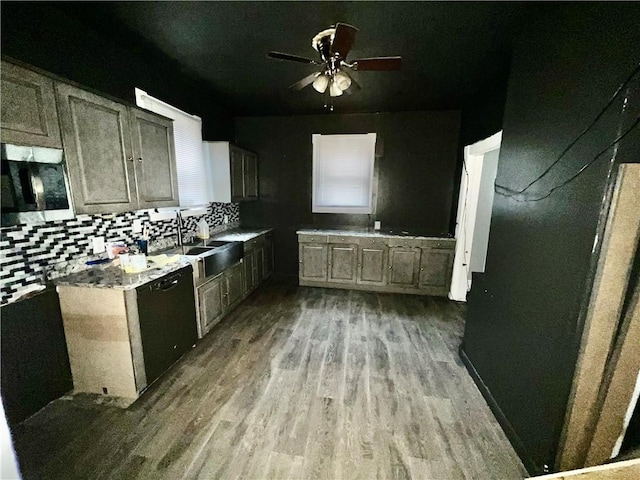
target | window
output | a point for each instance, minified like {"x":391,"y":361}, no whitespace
{"x":343,"y":173}
{"x":187,"y":135}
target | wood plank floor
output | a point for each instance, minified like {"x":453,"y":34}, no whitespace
{"x":296,"y":383}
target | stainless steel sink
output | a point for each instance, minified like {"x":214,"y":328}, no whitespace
{"x":215,"y":256}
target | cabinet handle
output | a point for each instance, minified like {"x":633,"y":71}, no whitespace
{"x":130,"y":159}
{"x":139,"y":159}
{"x":312,"y":239}
{"x":390,"y":267}
{"x":422,"y":269}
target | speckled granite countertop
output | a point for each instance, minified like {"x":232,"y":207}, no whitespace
{"x":100,"y":276}
{"x":367,"y":232}
{"x":109,"y":276}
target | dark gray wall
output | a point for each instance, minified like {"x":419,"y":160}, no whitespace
{"x":524,"y":314}
{"x":107,"y":59}
{"x":415,"y":181}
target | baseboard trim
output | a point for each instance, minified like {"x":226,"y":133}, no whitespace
{"x":532,"y":467}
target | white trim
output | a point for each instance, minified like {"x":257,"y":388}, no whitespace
{"x":470,"y":180}
{"x":346,"y":209}
{"x":141,"y":97}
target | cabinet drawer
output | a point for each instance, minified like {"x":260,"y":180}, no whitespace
{"x":404,"y":242}
{"x":310,"y":238}
{"x":438,"y":243}
{"x":345,"y":239}
{"x":373,"y":241}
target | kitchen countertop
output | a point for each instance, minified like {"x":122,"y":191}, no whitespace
{"x":366,"y":232}
{"x":110,"y":276}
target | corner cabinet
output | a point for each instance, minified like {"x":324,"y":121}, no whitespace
{"x":416,"y":265}
{"x":119,"y":158}
{"x":232,"y":171}
{"x":29,"y":113}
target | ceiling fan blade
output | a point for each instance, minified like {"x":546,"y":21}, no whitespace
{"x":292,"y":58}
{"x":378,"y":63}
{"x":343,"y":39}
{"x":308,"y":80}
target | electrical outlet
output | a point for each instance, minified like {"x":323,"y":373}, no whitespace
{"x":98,"y":245}
{"x":225,"y":219}
{"x":137,"y":226}
{"x":376,"y":225}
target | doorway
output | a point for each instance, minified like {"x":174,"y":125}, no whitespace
{"x":473,"y":219}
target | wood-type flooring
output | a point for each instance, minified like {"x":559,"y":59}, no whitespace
{"x":299,"y":383}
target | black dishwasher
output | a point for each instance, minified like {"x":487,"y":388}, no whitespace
{"x":167,"y":313}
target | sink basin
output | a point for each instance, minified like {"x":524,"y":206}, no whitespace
{"x":216,"y":256}
{"x":206,"y":244}
{"x":198,"y":250}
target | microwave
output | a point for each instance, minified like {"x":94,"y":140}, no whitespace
{"x":34,"y":185}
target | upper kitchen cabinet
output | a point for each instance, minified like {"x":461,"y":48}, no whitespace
{"x":154,"y":158}
{"x":29,"y":115}
{"x":97,"y":143}
{"x":119,"y":158}
{"x":233,"y":172}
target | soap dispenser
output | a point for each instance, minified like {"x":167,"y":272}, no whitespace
{"x":203,"y":229}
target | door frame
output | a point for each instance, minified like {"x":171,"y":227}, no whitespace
{"x":605,"y":386}
{"x":470,"y":179}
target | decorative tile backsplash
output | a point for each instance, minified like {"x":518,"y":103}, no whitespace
{"x":31,"y":253}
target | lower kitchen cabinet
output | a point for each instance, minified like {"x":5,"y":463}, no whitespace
{"x":343,"y":263}
{"x":233,"y":285}
{"x":340,"y":259}
{"x":372,"y":265}
{"x":210,"y":304}
{"x":436,"y":267}
{"x":404,"y":264}
{"x":120,"y":341}
{"x":313,"y":262}
{"x":249,"y":281}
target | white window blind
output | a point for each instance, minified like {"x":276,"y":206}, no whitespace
{"x":343,"y":173}
{"x":187,"y":135}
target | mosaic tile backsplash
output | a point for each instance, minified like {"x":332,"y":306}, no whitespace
{"x":30,"y":254}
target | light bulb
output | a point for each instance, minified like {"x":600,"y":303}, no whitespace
{"x":334,"y":90}
{"x":320,"y":83}
{"x":342,"y":80}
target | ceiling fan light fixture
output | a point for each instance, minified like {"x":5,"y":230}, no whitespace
{"x":321,"y":83}
{"x":334,"y":89}
{"x":342,"y":80}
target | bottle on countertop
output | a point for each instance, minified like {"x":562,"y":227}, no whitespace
{"x":203,"y":229}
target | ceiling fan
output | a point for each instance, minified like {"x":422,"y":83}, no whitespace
{"x":336,"y":74}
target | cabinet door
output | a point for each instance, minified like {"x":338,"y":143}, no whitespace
{"x":404,"y":263}
{"x":233,"y":285}
{"x":372,"y":265}
{"x":97,"y":142}
{"x":436,"y":267}
{"x":211,"y":306}
{"x":313,"y":262}
{"x":268,"y":255}
{"x":343,"y":261}
{"x":29,"y":114}
{"x":250,"y":176}
{"x":248,"y":272}
{"x":154,"y":160}
{"x":258,"y":265}
{"x":237,"y":174}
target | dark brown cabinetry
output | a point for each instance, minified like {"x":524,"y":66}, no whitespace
{"x":418,"y":265}
{"x":29,"y":113}
{"x":244,"y":174}
{"x":120,"y":158}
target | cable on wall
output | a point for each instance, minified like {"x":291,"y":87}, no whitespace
{"x":577,"y":174}
{"x":513,"y":193}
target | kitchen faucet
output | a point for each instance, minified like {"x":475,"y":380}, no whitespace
{"x":179,"y":226}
